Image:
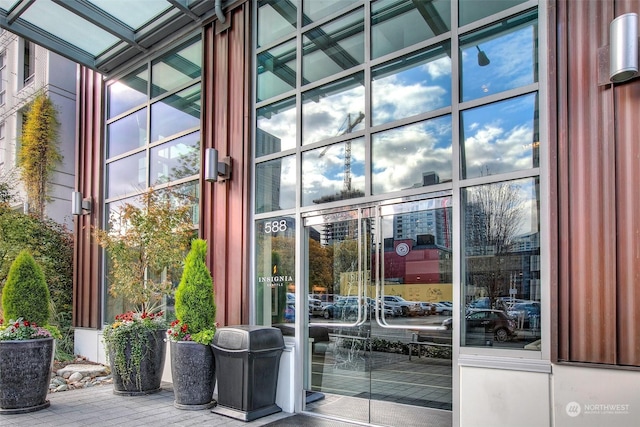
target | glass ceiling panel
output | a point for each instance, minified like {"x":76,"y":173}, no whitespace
{"x":133,"y":13}
{"x":7,"y":4}
{"x":47,"y":15}
{"x":104,"y":35}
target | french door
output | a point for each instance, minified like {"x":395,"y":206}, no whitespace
{"x":379,"y":352}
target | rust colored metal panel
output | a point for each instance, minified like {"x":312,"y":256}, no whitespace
{"x":559,"y":219}
{"x":86,"y":266}
{"x":221,"y":235}
{"x":628,"y":203}
{"x":207,"y":131}
{"x":239,"y":150}
{"x":225,"y":205}
{"x":627,"y":105}
{"x":589,"y":281}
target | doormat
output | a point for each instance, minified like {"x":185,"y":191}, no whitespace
{"x":407,"y":401}
{"x":301,"y":420}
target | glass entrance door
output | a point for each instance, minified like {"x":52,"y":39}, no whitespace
{"x":379,"y":283}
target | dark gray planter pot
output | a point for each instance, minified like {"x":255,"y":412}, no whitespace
{"x":194,"y":375}
{"x":151,"y":367}
{"x":25,"y":372}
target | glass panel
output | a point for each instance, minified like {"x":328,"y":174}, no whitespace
{"x":334,"y":47}
{"x":134,"y":14}
{"x":334,"y":172}
{"x":187,"y":194}
{"x":276,"y":184}
{"x":329,"y":111}
{"x":128,"y":133}
{"x":176,"y":68}
{"x":114,"y":305}
{"x":127,"y":93}
{"x":489,"y":62}
{"x":397,"y":24}
{"x":276,"y":19}
{"x":412,"y":156}
{"x":417,"y":268}
{"x":276,"y":71}
{"x":275,"y":271}
{"x":500,"y":137}
{"x":411,"y":85}
{"x":276,"y":127}
{"x":337,"y":249}
{"x":7,"y":4}
{"x":472,"y":10}
{"x":175,"y":159}
{"x":175,"y":113}
{"x":127,"y":175}
{"x":314,"y":10}
{"x":501,"y":286}
{"x":79,"y":32}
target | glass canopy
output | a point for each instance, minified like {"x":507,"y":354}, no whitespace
{"x":104,"y":34}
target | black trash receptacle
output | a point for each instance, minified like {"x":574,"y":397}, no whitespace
{"x":247,"y":364}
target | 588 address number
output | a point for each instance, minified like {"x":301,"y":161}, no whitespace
{"x":275,"y":226}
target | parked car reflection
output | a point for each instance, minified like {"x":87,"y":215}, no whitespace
{"x":527,"y":314}
{"x":428,"y":308}
{"x":346,"y":308}
{"x":290,"y":313}
{"x":443,"y":309}
{"x":485,"y":325}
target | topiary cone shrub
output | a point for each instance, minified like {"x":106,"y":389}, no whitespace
{"x":25,"y":294}
{"x":26,"y":340}
{"x":195,"y":301}
{"x":192,"y":361}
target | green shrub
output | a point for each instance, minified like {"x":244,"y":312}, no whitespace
{"x":26,"y":295}
{"x":51,"y":245}
{"x":195,"y":302}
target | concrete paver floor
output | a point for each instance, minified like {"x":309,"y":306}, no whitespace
{"x":99,"y":406}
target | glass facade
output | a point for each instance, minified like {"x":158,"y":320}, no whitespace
{"x":153,"y":135}
{"x":361,"y":103}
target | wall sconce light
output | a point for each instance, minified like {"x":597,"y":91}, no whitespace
{"x":80,"y":206}
{"x":215,"y":170}
{"x":483,"y":59}
{"x":623,"y":50}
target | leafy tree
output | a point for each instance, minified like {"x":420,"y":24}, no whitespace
{"x":320,"y":265}
{"x":145,"y":243}
{"x":39,"y":153}
{"x":25,"y":295}
{"x":195,"y":303}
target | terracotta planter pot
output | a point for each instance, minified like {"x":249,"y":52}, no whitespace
{"x":193,"y":372}
{"x":25,"y":372}
{"x":150,"y":371}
